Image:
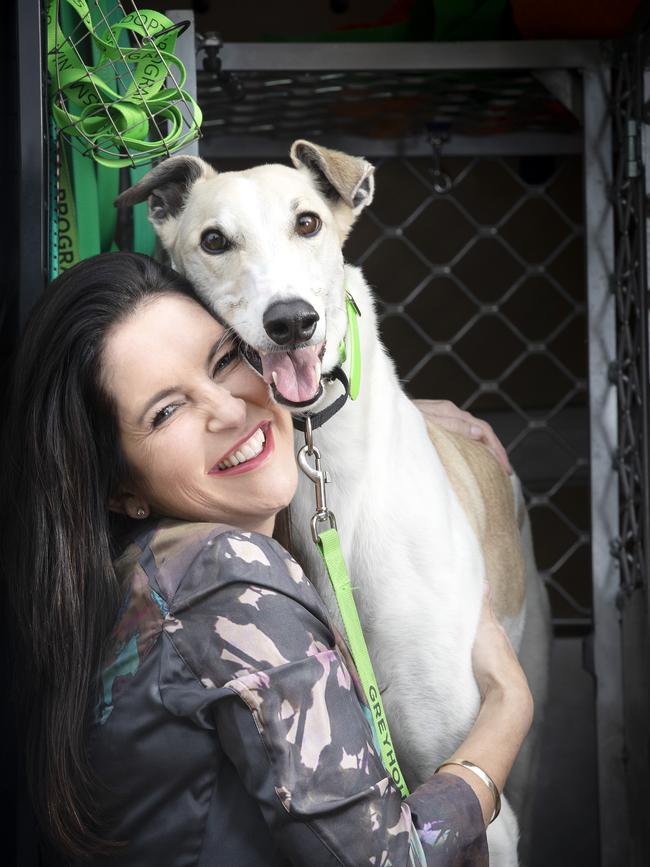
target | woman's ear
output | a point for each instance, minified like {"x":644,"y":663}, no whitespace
{"x":129,"y":504}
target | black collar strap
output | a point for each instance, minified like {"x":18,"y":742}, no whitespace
{"x":319,"y":418}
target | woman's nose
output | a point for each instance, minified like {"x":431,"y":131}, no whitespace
{"x":224,"y":410}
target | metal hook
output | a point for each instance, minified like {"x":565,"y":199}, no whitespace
{"x":442,"y":183}
{"x":315,"y":473}
{"x":320,"y":478}
{"x":211,"y":44}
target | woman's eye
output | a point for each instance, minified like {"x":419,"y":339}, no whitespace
{"x":213,"y":241}
{"x":308,"y":224}
{"x":164,"y":413}
{"x":225,"y":360}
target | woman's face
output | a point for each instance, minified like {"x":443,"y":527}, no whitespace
{"x":197,"y":426}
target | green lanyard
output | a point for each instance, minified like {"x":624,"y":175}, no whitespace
{"x":83,"y":218}
{"x":330,"y":549}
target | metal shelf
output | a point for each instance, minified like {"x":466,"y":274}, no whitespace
{"x":381,"y":99}
{"x":411,"y":56}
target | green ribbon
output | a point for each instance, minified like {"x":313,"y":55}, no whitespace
{"x":119,"y":126}
{"x":67,"y":252}
{"x":330,"y":549}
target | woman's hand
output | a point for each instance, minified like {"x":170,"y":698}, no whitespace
{"x":448,"y":415}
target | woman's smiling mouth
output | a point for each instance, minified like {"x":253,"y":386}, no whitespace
{"x":248,"y":453}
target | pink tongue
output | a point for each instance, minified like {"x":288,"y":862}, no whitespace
{"x":297,"y":373}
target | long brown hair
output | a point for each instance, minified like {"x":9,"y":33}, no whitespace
{"x":61,"y":463}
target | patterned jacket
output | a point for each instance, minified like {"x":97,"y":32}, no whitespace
{"x":230,"y":730}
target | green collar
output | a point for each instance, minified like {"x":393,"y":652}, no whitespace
{"x":352,"y":351}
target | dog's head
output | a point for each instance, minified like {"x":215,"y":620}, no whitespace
{"x":264,"y":248}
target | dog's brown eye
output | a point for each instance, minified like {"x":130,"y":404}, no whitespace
{"x":213,"y":241}
{"x":308,"y":224}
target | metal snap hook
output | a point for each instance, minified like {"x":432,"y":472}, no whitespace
{"x":320,"y":479}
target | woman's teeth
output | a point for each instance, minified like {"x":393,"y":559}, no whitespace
{"x":250,"y":449}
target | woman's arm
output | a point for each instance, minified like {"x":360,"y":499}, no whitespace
{"x":506,"y":710}
{"x":255,"y":634}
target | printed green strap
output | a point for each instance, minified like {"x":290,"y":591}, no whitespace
{"x":113,"y":87}
{"x":67,"y":240}
{"x":330,"y":549}
{"x":115,"y":127}
{"x":108,"y":180}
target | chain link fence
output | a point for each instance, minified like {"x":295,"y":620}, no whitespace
{"x":482,"y":300}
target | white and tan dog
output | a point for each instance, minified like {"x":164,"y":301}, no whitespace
{"x":421,"y":526}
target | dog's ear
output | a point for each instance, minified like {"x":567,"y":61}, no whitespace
{"x":338,"y":175}
{"x":166,"y":187}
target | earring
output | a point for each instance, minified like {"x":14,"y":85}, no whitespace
{"x":141,"y":512}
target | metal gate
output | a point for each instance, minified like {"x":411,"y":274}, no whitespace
{"x":482,"y":300}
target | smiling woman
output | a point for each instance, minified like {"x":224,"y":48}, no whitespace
{"x":198,"y":428}
{"x":184,"y":697}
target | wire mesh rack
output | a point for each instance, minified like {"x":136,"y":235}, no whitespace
{"x":117,"y":87}
{"x":490,"y":312}
{"x":381,"y":104}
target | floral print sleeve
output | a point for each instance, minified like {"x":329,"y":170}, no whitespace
{"x":275,"y":685}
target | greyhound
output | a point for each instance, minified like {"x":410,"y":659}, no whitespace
{"x":424,"y":516}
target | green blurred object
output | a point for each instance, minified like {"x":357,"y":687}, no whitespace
{"x":468,"y":20}
{"x":422,"y":21}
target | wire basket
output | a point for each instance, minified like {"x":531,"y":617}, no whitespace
{"x":117,"y":87}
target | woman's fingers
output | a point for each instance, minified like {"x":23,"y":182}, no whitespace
{"x":448,"y":415}
{"x":481,"y":430}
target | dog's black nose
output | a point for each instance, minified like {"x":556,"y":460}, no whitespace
{"x":289,"y":323}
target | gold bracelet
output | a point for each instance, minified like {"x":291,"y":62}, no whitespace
{"x":486,"y":778}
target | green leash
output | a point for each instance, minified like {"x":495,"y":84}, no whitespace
{"x":107,"y":97}
{"x":116,"y":127}
{"x":330,"y":549}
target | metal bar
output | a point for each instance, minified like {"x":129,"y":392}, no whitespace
{"x":599,"y":237}
{"x":32,"y":133}
{"x":634,"y":431}
{"x":402,"y":56}
{"x":215,"y":145}
{"x":186,"y":52}
{"x":645,"y":157}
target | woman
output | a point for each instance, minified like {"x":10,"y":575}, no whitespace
{"x":147,"y":465}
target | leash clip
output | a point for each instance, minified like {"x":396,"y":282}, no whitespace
{"x":319,"y":477}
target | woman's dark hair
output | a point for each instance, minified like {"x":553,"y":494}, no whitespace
{"x":61,"y":463}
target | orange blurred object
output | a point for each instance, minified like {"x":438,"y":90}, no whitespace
{"x":573,"y":19}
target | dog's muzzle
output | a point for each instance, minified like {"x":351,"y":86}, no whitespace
{"x":293,"y":374}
